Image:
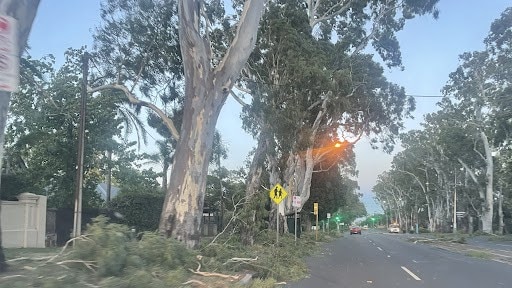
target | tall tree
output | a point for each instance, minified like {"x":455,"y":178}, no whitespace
{"x":472,"y":86}
{"x":43,"y":129}
{"x":308,"y":91}
{"x":24,"y":12}
{"x":206,"y":88}
{"x":141,"y":35}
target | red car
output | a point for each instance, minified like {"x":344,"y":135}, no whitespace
{"x":355,"y":230}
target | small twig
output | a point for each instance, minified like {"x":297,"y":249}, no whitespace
{"x":234,"y":217}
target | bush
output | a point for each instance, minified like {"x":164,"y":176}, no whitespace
{"x":141,"y":211}
{"x":124,"y":261}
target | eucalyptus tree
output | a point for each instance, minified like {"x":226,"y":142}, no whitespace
{"x":24,"y":13}
{"x":310,"y":89}
{"x":499,"y":48}
{"x":472,"y":86}
{"x":209,"y":64}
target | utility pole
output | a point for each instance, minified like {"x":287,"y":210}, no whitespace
{"x":455,"y":202}
{"x":77,"y":224}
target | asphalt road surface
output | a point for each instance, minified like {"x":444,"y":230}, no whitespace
{"x":382,"y":260}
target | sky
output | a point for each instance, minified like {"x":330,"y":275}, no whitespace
{"x":429,"y":47}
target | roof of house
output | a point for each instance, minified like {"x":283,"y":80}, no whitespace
{"x":102,"y":189}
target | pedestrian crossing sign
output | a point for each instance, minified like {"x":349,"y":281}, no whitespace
{"x":277,"y":194}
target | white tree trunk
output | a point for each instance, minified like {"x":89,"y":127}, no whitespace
{"x":206,"y":90}
{"x":488,"y":205}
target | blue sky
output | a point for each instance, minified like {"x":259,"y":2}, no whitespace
{"x":430,"y":50}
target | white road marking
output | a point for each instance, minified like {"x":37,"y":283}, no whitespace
{"x":410,"y":273}
{"x":414,"y":261}
{"x":379,"y":248}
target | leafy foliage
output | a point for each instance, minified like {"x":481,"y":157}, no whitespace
{"x":117,"y":258}
{"x":464,"y":148}
{"x":141,"y":211}
{"x":43,"y":131}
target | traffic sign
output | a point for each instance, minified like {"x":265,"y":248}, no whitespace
{"x":315,"y":208}
{"x":9,"y":59}
{"x":328,"y":215}
{"x":277,"y":194}
{"x":297,"y":202}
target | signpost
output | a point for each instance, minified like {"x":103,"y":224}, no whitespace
{"x":315,"y":212}
{"x":277,"y":194}
{"x":296,"y":203}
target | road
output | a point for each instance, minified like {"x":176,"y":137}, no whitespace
{"x":382,"y":260}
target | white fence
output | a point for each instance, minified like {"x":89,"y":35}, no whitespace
{"x":24,"y":222}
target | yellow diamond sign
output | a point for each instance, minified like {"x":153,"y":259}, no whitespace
{"x":277,"y":194}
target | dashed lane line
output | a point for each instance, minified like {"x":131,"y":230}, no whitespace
{"x":410,"y":273}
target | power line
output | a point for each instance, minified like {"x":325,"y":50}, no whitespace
{"x":424,"y":96}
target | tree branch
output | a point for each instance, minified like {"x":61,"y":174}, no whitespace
{"x":329,"y":14}
{"x":238,"y":99}
{"x":243,"y":44}
{"x":134,"y":100}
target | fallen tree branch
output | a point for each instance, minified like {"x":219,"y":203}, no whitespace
{"x":213,"y":274}
{"x":81,"y":237}
{"x":195,"y":282}
{"x":244,"y":260}
{"x":28,"y":258}
{"x":12,"y":276}
{"x":210,"y":274}
{"x":89,"y":264}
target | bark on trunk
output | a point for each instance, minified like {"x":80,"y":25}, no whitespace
{"x":24,"y":11}
{"x":165,"y":172}
{"x":470,"y":224}
{"x":488,"y":205}
{"x":206,"y":90}
{"x":252,"y":186}
{"x":109,"y":177}
{"x":501,"y":224}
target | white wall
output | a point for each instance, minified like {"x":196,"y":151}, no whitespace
{"x":24,"y":222}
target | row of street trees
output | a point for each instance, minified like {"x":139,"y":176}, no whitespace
{"x":462,"y":157}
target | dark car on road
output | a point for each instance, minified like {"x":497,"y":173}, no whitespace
{"x":355,"y":230}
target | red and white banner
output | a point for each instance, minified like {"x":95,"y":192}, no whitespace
{"x":9,"y":58}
